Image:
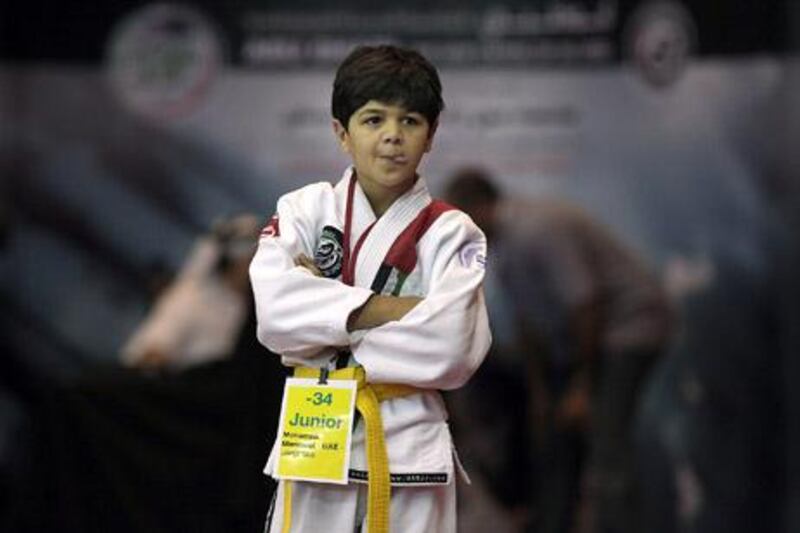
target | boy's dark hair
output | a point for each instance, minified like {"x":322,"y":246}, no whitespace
{"x":388,"y":74}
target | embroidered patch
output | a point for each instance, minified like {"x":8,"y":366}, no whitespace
{"x":328,"y":255}
{"x":272,"y":229}
{"x":472,"y":254}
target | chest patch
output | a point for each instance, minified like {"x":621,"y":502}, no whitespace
{"x":329,"y":252}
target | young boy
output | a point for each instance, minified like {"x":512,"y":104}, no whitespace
{"x":372,"y":273}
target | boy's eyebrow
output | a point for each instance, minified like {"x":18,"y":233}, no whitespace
{"x":381,"y":111}
{"x":372,"y":110}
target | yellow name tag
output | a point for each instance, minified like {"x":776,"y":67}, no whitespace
{"x":315,"y":429}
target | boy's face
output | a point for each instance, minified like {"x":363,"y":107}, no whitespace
{"x":386,"y":143}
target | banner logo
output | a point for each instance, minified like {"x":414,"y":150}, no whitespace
{"x":162,"y":60}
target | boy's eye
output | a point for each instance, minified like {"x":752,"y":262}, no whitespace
{"x":372,"y":120}
{"x":411,"y":121}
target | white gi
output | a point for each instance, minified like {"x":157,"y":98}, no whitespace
{"x":419,"y":247}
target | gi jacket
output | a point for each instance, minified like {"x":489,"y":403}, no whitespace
{"x":418,"y":247}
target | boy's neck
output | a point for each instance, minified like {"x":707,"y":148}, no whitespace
{"x":382,"y":198}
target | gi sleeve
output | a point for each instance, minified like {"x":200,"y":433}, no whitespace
{"x":296,"y":311}
{"x":441,"y":342}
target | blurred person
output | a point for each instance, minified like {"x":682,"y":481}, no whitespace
{"x":580,"y":315}
{"x":198,"y":317}
{"x":178,"y":447}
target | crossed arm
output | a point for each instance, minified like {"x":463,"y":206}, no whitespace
{"x":376,"y":311}
{"x":432,"y":342}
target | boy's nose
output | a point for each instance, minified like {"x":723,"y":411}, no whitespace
{"x":392,"y":133}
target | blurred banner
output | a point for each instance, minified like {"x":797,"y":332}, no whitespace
{"x":127,"y":128}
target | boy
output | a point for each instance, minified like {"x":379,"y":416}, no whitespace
{"x":371,"y":273}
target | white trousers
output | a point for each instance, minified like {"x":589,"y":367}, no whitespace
{"x":321,"y":507}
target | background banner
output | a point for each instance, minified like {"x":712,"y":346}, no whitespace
{"x":127,"y":128}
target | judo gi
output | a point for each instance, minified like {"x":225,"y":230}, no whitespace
{"x":418,"y":247}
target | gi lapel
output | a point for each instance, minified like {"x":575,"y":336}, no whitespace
{"x":402,"y":258}
{"x":363,"y":216}
{"x":386,"y":230}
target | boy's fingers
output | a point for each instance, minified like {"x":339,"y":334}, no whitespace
{"x":303,"y":261}
{"x":306,"y":262}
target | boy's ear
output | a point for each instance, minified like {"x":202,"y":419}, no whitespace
{"x":341,"y":135}
{"x":431,"y":133}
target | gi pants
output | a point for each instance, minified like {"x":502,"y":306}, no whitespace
{"x":317,"y":507}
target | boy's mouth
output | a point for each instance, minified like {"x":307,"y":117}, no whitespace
{"x":398,"y":159}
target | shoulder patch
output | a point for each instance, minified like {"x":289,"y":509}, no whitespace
{"x":272,"y":229}
{"x":471,"y":254}
{"x":329,"y":253}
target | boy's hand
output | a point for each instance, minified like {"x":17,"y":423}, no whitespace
{"x":379,"y":310}
{"x":306,"y":262}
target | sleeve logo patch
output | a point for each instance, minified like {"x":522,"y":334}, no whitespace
{"x":472,"y":255}
{"x":329,"y":253}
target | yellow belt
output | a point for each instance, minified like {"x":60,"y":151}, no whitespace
{"x":368,"y":400}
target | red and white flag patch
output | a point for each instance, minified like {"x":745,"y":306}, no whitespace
{"x":272,"y":229}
